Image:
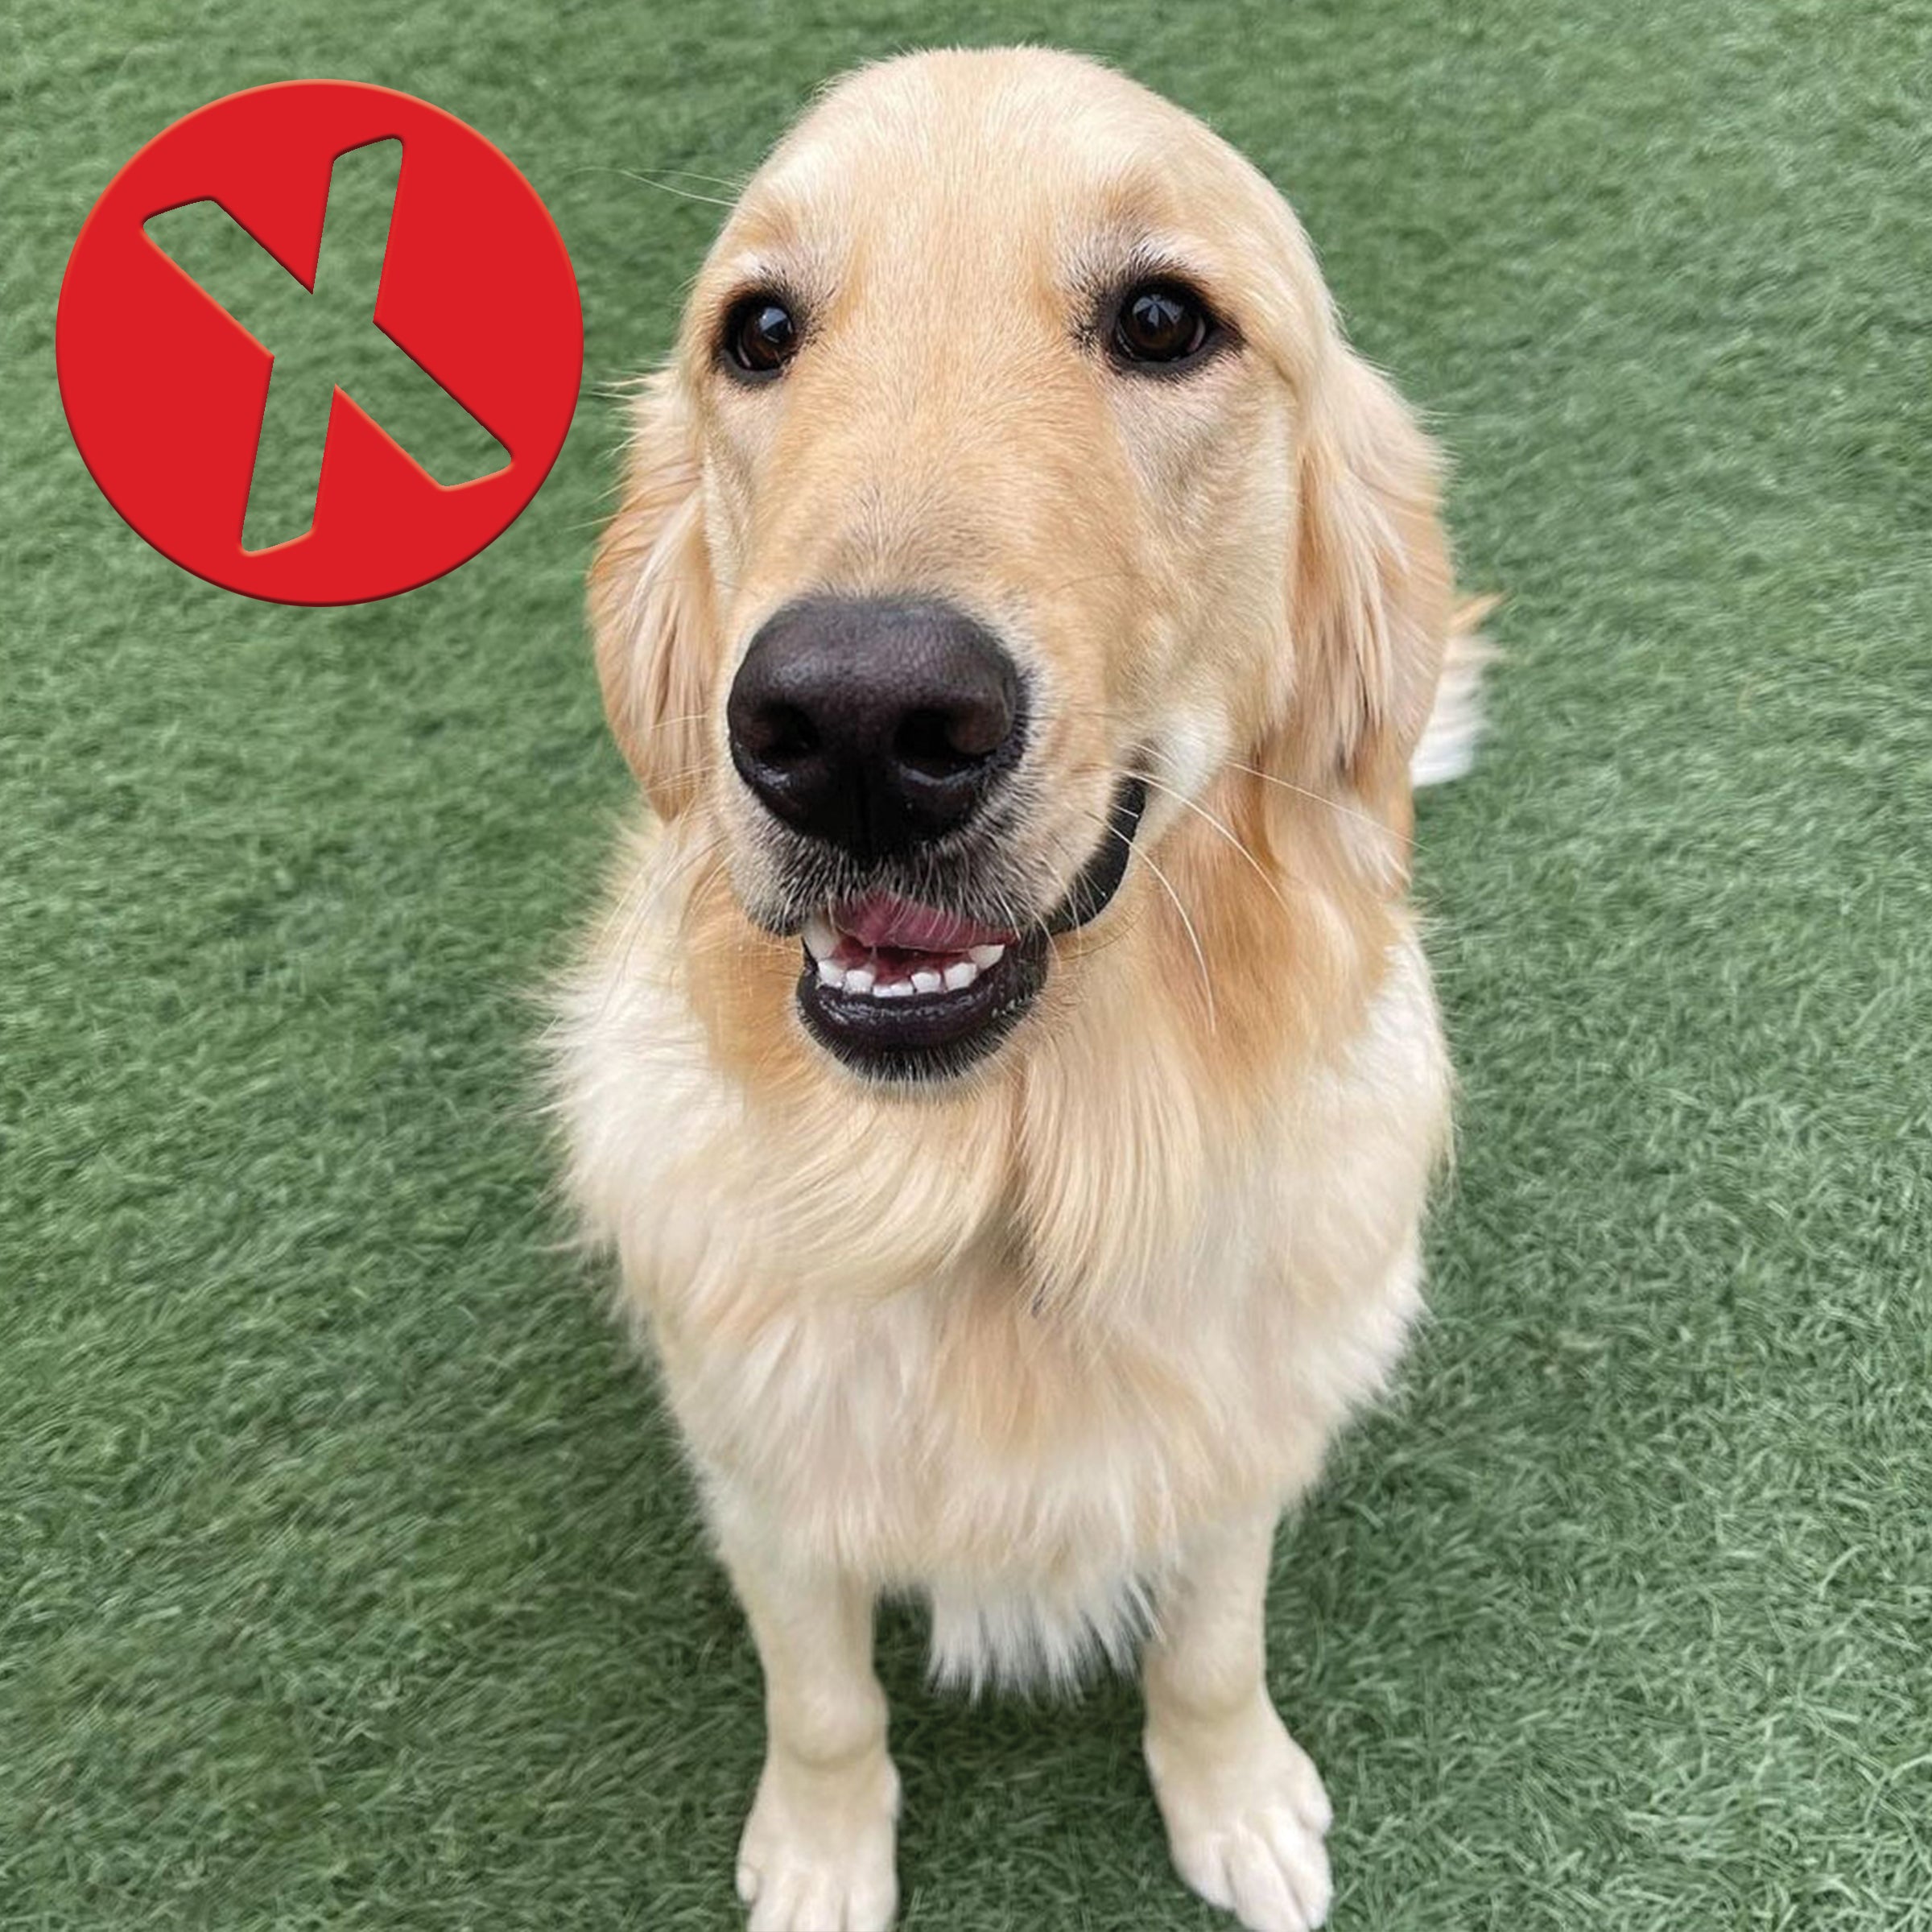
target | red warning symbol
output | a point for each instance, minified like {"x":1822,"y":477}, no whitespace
{"x":167,"y":391}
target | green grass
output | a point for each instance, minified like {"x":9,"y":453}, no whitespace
{"x":348,"y":1575}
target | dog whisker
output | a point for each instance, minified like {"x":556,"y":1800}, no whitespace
{"x":691,"y":174}
{"x":668,"y":188}
{"x":1110,"y":830}
{"x":680,"y":774}
{"x":1208,"y":818}
{"x":1321,"y":798}
{"x":1194,"y":938}
{"x":657,"y":725}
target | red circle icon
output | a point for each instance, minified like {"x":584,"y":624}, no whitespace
{"x":166,"y":390}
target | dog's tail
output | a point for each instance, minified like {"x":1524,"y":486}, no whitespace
{"x":1456,"y":724}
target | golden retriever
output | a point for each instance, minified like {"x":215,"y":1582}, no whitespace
{"x":1007,"y":1073}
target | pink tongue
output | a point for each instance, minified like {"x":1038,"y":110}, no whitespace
{"x":881,"y":920}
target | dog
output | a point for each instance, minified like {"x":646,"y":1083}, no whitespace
{"x":1006,"y":1071}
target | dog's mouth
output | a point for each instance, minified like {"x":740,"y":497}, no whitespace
{"x":899,"y":989}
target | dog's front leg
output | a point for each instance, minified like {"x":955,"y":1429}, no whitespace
{"x":817,"y":1852}
{"x":1244,"y":1807}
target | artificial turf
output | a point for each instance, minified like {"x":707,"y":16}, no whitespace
{"x":348,"y":1575}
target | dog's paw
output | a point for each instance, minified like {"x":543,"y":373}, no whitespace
{"x":1246,"y":1815}
{"x":817,"y":1852}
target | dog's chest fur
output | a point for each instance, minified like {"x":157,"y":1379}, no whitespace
{"x":1007,"y":1356}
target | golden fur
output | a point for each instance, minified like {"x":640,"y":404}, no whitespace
{"x":1051,"y":1343}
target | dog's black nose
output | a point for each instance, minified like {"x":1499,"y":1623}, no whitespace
{"x":873,"y":723}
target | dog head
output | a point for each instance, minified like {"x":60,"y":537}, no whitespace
{"x":1011,"y":512}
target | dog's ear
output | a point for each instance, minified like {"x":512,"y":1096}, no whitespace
{"x":1370,"y":590}
{"x":651,"y":609}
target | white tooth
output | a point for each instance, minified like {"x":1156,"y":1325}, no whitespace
{"x":830,"y":975}
{"x":899,"y":989}
{"x":927,"y":980}
{"x":962,"y":972}
{"x":858,"y":978}
{"x":985,"y":955}
{"x":821,"y":940}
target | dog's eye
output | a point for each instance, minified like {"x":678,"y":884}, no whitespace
{"x":761,"y":334}
{"x":1161,"y":322}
